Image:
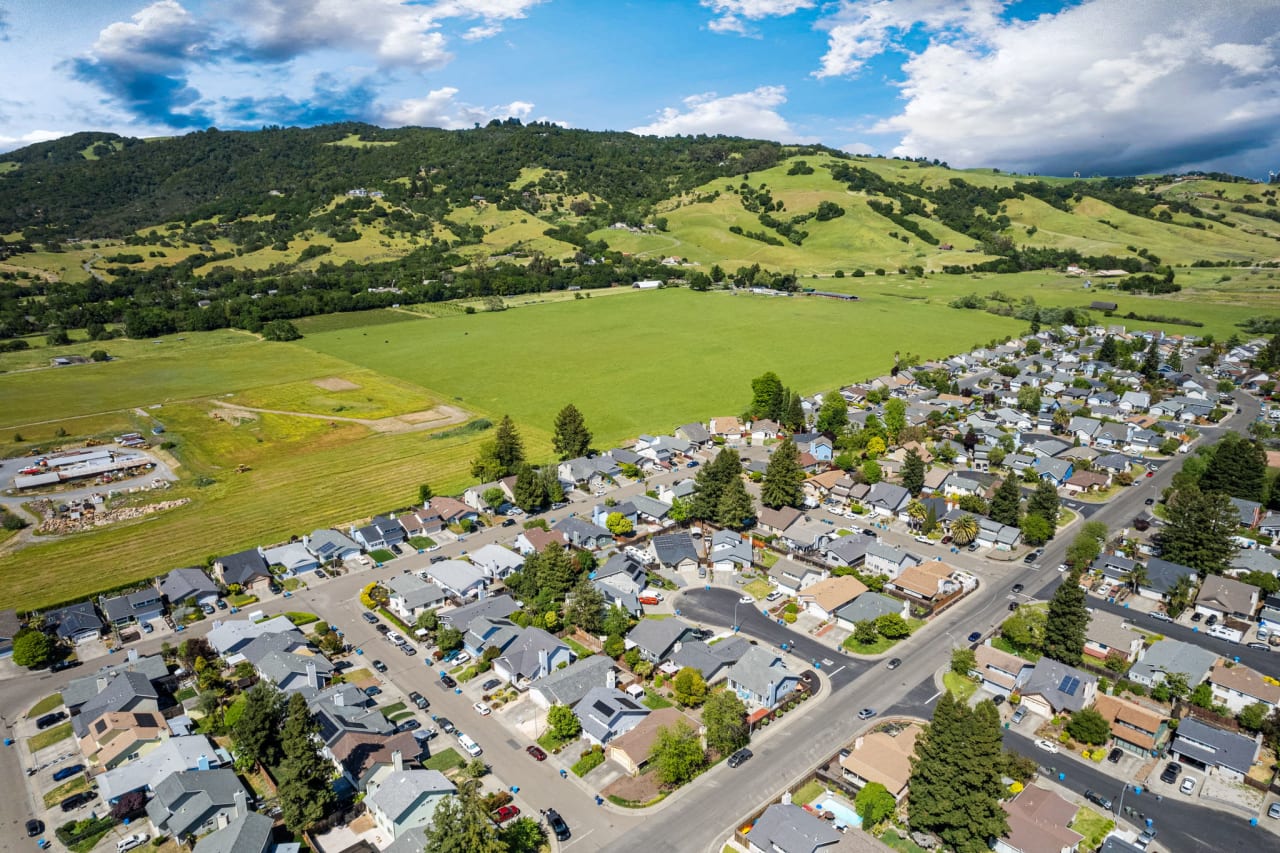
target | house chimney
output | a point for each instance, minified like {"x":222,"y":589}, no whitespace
{"x":397,"y":760}
{"x":313,"y":680}
{"x":241,"y":806}
{"x":611,"y":678}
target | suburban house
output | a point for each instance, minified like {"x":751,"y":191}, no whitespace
{"x":1108,"y":634}
{"x":887,"y":500}
{"x":1001,"y":673}
{"x":230,"y":638}
{"x":330,"y":546}
{"x":658,"y":639}
{"x":381,"y":532}
{"x":366,"y":755}
{"x":1039,"y":822}
{"x":495,"y":607}
{"x":410,"y":596}
{"x":1239,"y":686}
{"x":1207,"y":748}
{"x":1222,"y":597}
{"x":120,"y":736}
{"x":926,"y":582}
{"x":1162,"y":577}
{"x":788,"y":828}
{"x":193,"y":802}
{"x":405,"y":799}
{"x":188,"y":586}
{"x":695,"y":434}
{"x":474,"y":496}
{"x":567,"y":686}
{"x":457,"y":578}
{"x":535,"y":540}
{"x":884,"y":757}
{"x":991,"y":533}
{"x":676,"y":551}
{"x":248,"y":832}
{"x":497,"y":562}
{"x":452,"y":510}
{"x":631,"y":750}
{"x":711,"y":661}
{"x":533,"y":654}
{"x":247,"y":568}
{"x":134,"y":607}
{"x":775,"y":521}
{"x":761,"y":679}
{"x":730,"y":551}
{"x":178,"y":753}
{"x":1135,"y":728}
{"x":887,"y":560}
{"x":825,"y":597}
{"x":1174,"y":656}
{"x":420,"y":522}
{"x":606,"y":713}
{"x":293,"y":557}
{"x":793,"y":577}
{"x":868,"y":607}
{"x":730,"y":429}
{"x":1053,"y":686}
{"x":847,"y":551}
{"x":76,"y":623}
{"x":291,"y":669}
{"x":584,"y":534}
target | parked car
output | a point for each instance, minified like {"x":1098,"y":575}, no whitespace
{"x":866,"y":713}
{"x":894,"y":663}
{"x":379,"y":666}
{"x":1019,"y":714}
{"x":372,"y":691}
{"x":1046,"y":745}
{"x":369,"y":617}
{"x":395,"y":638}
{"x":408,"y":650}
{"x":65,"y":663}
{"x":997,"y":699}
{"x":446,"y":725}
{"x":1212,"y":620}
{"x":320,"y":573}
{"x":557,"y":825}
{"x":1032,"y":557}
{"x":75,"y":801}
{"x":34,"y":828}
{"x":1261,"y":647}
{"x":506,"y":813}
{"x":1148,"y":835}
{"x":491,"y":684}
{"x":207,"y":609}
{"x":1149,"y":501}
{"x":419,"y":700}
{"x":973,"y":546}
{"x":68,"y":772}
{"x":1188,"y":785}
{"x":1274,"y":811}
{"x":1172,"y":771}
{"x":773,"y":596}
{"x":381,"y":629}
{"x":136,"y":840}
{"x":740,"y":757}
{"x":447,"y":680}
{"x":482,"y":708}
{"x":1095,"y":797}
{"x":462,"y":657}
{"x":746,"y":599}
{"x":924,"y":540}
{"x":536,"y":752}
{"x":1013,"y":605}
{"x":221,"y":604}
{"x":1161,"y":616}
{"x":1115,"y":755}
{"x":52,"y":719}
{"x":975,"y":636}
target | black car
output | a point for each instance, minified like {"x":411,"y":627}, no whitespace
{"x":510,"y":522}
{"x":409,"y":725}
{"x":419,"y":700}
{"x":557,"y":824}
{"x":1115,"y":755}
{"x":369,"y":617}
{"x":1013,"y":605}
{"x":1171,"y":772}
{"x":445,"y":724}
{"x":491,"y":684}
{"x":1149,"y":501}
{"x":1094,"y":797}
{"x":870,"y":533}
{"x":997,"y":700}
{"x":739,"y":757}
{"x":50,"y":719}
{"x":380,"y":628}
{"x":1197,"y":616}
{"x":75,"y":801}
{"x":67,"y":663}
{"x":1017,"y":588}
{"x":448,"y":681}
{"x":435,"y":560}
{"x":34,"y":828}
{"x":1032,"y":557}
{"x":397,"y":549}
{"x":342,"y":665}
{"x":379,"y":666}
{"x":221,"y":603}
{"x":894,"y":663}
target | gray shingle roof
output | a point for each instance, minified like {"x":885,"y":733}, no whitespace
{"x":759,"y":671}
{"x":181,"y":584}
{"x":567,"y":686}
{"x":523,"y":657}
{"x":1215,"y":747}
{"x":121,"y":693}
{"x":708,"y":659}
{"x":789,"y":828}
{"x":495,"y":607}
{"x":243,"y":567}
{"x":656,"y":636}
{"x":1062,"y":686}
{"x":184,"y":801}
{"x":672,"y":548}
{"x":1168,"y":656}
{"x":869,"y":606}
{"x":1163,"y":575}
{"x":250,"y":833}
{"x":74,"y":619}
{"x":398,"y":792}
{"x":606,"y":712}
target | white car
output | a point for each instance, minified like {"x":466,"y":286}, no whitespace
{"x":483,"y":709}
{"x":462,"y":657}
{"x":1188,"y":785}
{"x":395,"y":639}
{"x":1046,"y":745}
{"x":924,"y":540}
{"x":746,"y":599}
{"x":136,"y":840}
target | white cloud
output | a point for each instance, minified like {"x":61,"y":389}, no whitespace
{"x":1109,"y":86}
{"x":752,"y":114}
{"x":859,"y":148}
{"x":160,"y":38}
{"x":483,"y":31}
{"x":439,"y":108}
{"x":862,"y":29}
{"x":8,"y":143}
{"x":733,"y":14}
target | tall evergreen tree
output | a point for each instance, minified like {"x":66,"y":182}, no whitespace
{"x":586,"y":606}
{"x":768,"y":397}
{"x":571,"y":438}
{"x":793,"y":417}
{"x":529,"y":491}
{"x":783,"y":477}
{"x":1044,"y":503}
{"x":1268,"y":358}
{"x":304,"y":775}
{"x":1067,"y":622}
{"x":551,"y":484}
{"x":1108,"y":351}
{"x":1151,"y":361}
{"x":1238,"y":467}
{"x":508,"y":449}
{"x":1006,"y":503}
{"x":833,"y":415}
{"x":1199,"y":530}
{"x":913,"y":473}
{"x":257,"y":732}
{"x":710,"y":482}
{"x":736,"y":508}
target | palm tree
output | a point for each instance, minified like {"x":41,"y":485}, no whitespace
{"x":964,"y":529}
{"x":916,"y":512}
{"x":1136,"y":577}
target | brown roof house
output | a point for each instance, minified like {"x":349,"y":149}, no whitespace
{"x":882,"y":757}
{"x":1136,"y":728}
{"x":1001,"y":672}
{"x":1038,"y":823}
{"x":1107,"y":634}
{"x":121,"y":736}
{"x":1238,"y":686}
{"x":1223,"y":597}
{"x":825,"y":597}
{"x":927,"y":581}
{"x":631,"y":750}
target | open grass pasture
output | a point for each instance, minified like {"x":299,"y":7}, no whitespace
{"x":352,"y":394}
{"x":651,"y":360}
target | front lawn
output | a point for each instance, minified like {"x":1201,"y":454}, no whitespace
{"x":49,"y":737}
{"x":758,"y":589}
{"x":299,"y":619}
{"x":422,"y":543}
{"x":1093,"y":826}
{"x":66,"y":789}
{"x":882,"y":643}
{"x":551,"y":743}
{"x":242,"y":600}
{"x":44,"y":706}
{"x":959,"y":686}
{"x":446,"y":759}
{"x":768,"y":558}
{"x":584,"y":765}
{"x":381,"y":555}
{"x":393,"y":708}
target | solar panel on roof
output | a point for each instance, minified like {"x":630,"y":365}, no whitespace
{"x":1070,"y":684}
{"x":602,"y":707}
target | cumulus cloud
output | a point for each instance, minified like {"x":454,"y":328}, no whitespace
{"x":143,"y":63}
{"x":859,"y":148}
{"x":1108,"y":86}
{"x":732,"y":15}
{"x":752,"y":114}
{"x":440,"y":108}
{"x":862,"y":29}
{"x":8,"y":143}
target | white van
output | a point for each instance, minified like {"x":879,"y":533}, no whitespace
{"x":472,"y":748}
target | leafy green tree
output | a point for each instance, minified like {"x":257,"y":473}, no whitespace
{"x":1044,"y":503}
{"x":736,"y":509}
{"x":1108,"y":352}
{"x":1006,"y":503}
{"x":448,"y":638}
{"x":424,"y":493}
{"x":725,"y":719}
{"x":461,"y":824}
{"x":874,"y":803}
{"x":1238,"y":467}
{"x":892,"y":626}
{"x":586,"y":606}
{"x":1251,"y":717}
{"x":32,"y":648}
{"x":1088,"y":726}
{"x":1202,"y":696}
{"x":257,"y":732}
{"x":280,"y":330}
{"x":1025,"y":628}
{"x":865,"y":632}
{"x":618,"y":524}
{"x":1068,"y":619}
{"x":428,"y":621}
{"x":1029,"y":399}
{"x":304,"y":775}
{"x":523,"y":835}
{"x":689,"y":688}
{"x":895,"y":417}
{"x":571,"y":438}
{"x":1035,"y":529}
{"x":1199,"y":530}
{"x":677,"y":754}
{"x":768,"y":397}
{"x":913,"y":473}
{"x":616,"y":622}
{"x":563,"y":722}
{"x":529,"y":491}
{"x":551,"y":484}
{"x":1083,"y":550}
{"x":963,"y":660}
{"x":871,"y":471}
{"x":783,"y":477}
{"x":833,"y":414}
{"x":494,"y":497}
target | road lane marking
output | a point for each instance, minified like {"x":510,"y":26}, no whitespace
{"x":833,"y":673}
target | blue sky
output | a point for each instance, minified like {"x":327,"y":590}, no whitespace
{"x":1095,"y":86}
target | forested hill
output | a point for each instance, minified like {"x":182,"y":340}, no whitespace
{"x":104,"y":185}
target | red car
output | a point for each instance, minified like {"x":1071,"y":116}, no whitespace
{"x":536,"y":752}
{"x":506,"y":813}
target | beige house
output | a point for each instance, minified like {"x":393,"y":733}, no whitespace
{"x":1136,"y":728}
{"x":121,"y":736}
{"x":884,"y":758}
{"x":1239,"y":686}
{"x":1223,"y":597}
{"x":1001,"y":672}
{"x":1038,"y":823}
{"x":1109,"y":634}
{"x":825,"y":597}
{"x":926,"y":582}
{"x":631,"y":750}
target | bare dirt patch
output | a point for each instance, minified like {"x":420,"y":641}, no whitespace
{"x":440,"y":416}
{"x":234,"y":416}
{"x":335,"y":383}
{"x":635,"y":789}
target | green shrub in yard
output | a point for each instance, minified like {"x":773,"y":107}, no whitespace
{"x":83,"y":835}
{"x":300,"y":619}
{"x":590,"y":760}
{"x":791,"y":607}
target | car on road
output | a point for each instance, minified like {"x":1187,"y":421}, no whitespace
{"x":1115,"y":755}
{"x":973,"y":546}
{"x":1149,"y":501}
{"x":1188,"y":785}
{"x":510,"y":522}
{"x":1018,"y":714}
{"x":469,"y":746}
{"x":740,"y":757}
{"x":536,"y":752}
{"x":1032,"y":557}
{"x":1095,"y":797}
{"x":975,"y":636}
{"x":379,"y":666}
{"x":50,"y":720}
{"x":1274,"y":811}
{"x":409,"y":725}
{"x":1151,"y":473}
{"x":870,"y":533}
{"x":1161,"y":616}
{"x":75,"y":801}
{"x":924,"y":540}
{"x":894,"y":663}
{"x":382,"y":629}
{"x":408,"y":650}
{"x":369,"y":617}
{"x":1017,"y":588}
{"x":1062,"y":567}
{"x":395,"y":638}
{"x":506,"y":813}
{"x":446,"y":725}
{"x":65,"y":663}
{"x":746,"y":599}
{"x":1013,"y":605}
{"x":68,"y":772}
{"x":866,"y":713}
{"x":1046,"y":745}
{"x":1171,"y":772}
{"x":447,"y":680}
{"x":34,"y":828}
{"x":491,"y":684}
{"x":557,"y":825}
{"x":419,"y":700}
{"x":1258,"y":647}
{"x":482,"y":708}
{"x":373,"y":690}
